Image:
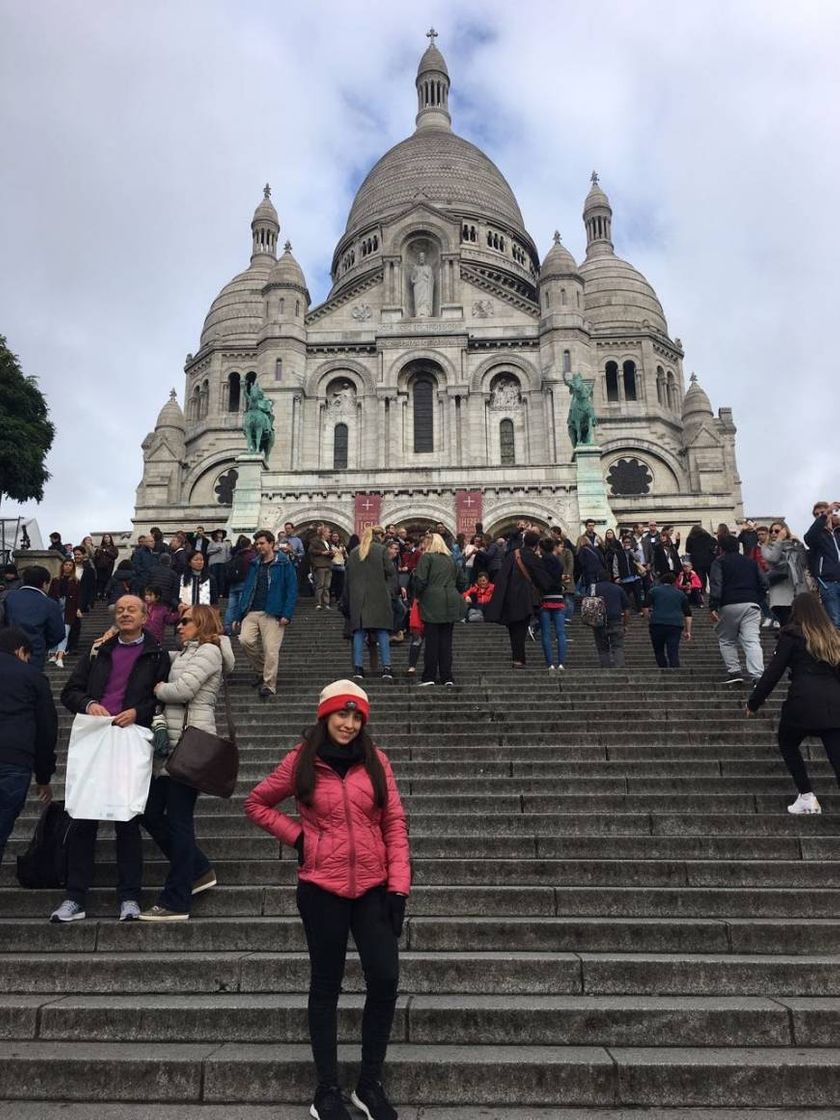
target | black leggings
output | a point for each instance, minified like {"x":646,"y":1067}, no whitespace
{"x":790,"y":739}
{"x":517,"y":631}
{"x":327,"y":921}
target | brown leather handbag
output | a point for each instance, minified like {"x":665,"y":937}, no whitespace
{"x":204,"y":761}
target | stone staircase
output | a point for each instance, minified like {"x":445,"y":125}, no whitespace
{"x":613,"y":915}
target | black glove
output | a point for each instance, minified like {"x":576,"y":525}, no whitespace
{"x":395,"y":909}
{"x":299,"y":846}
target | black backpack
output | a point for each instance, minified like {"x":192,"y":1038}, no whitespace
{"x":44,"y":863}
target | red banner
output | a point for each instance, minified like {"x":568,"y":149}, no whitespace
{"x":469,"y":505}
{"x":367,"y":509}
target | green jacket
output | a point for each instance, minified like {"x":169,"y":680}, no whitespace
{"x":435,"y":585}
{"x":366,"y":598}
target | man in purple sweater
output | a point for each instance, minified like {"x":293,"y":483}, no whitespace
{"x":117,"y":678}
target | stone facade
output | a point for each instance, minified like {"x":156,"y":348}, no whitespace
{"x":435,"y":367}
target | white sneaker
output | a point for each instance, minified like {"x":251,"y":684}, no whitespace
{"x":552,"y":668}
{"x":805,"y":803}
{"x":129,"y":911}
{"x":51,"y":659}
{"x":560,"y":668}
{"x":67,"y":912}
{"x":767,"y":623}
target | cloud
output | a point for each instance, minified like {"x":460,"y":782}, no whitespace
{"x":138,"y":137}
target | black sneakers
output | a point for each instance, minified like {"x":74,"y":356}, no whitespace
{"x":329,"y":1105}
{"x":371,"y":1101}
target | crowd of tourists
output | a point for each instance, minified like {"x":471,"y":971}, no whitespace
{"x":350,"y":834}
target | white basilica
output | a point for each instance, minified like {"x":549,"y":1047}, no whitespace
{"x":430,"y":384}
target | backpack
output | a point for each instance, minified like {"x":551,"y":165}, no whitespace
{"x":44,"y":863}
{"x":235,"y":569}
{"x":593,"y":609}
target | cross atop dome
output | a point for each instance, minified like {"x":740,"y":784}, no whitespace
{"x":557,"y":237}
{"x":432,"y":35}
{"x":593,"y":178}
{"x":267,"y":191}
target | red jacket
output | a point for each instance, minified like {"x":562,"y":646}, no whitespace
{"x":349,"y":845}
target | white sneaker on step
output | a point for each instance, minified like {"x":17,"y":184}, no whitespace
{"x":805,"y":803}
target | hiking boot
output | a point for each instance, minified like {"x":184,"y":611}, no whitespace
{"x":371,"y":1101}
{"x":328,"y":1105}
{"x":805,"y":803}
{"x":67,"y":912}
{"x":129,"y":911}
{"x":207,"y":880}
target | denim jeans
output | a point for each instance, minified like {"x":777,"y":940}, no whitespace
{"x":14,"y":785}
{"x":168,"y":819}
{"x":570,"y":607}
{"x":232,"y":611}
{"x":830,"y":595}
{"x":359,"y":638}
{"x":553,"y":620}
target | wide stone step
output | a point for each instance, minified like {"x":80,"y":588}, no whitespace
{"x":44,"y":1110}
{"x":465,"y":1020}
{"x":580,"y":1076}
{"x":534,"y":901}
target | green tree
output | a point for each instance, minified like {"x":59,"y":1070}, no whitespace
{"x":26,"y":432}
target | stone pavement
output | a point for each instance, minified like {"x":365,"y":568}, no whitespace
{"x":613,"y":914}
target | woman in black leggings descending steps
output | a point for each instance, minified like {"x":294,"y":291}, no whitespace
{"x":809,"y":646}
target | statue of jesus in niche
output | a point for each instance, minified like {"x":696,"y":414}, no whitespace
{"x":423,"y":287}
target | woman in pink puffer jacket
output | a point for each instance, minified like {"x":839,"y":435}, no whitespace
{"x":354,"y":875}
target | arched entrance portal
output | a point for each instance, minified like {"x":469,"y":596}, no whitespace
{"x":508,"y":525}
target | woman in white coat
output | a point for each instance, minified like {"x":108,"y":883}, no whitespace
{"x":189,"y":696}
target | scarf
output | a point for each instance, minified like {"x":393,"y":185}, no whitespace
{"x":341,"y":759}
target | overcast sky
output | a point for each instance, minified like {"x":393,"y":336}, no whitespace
{"x":136,"y":138}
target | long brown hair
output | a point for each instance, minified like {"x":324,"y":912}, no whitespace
{"x":208,"y":625}
{"x":316,"y":737}
{"x":822,"y":639}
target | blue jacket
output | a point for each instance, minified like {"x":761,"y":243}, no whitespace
{"x":282,"y":587}
{"x":39,"y":617}
{"x":823,"y":550}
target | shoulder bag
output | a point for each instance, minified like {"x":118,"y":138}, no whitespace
{"x":205,"y":761}
{"x":536,"y":597}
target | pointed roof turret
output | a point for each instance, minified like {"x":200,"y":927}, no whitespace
{"x":265,"y":228}
{"x":287,"y":273}
{"x":433,"y":88}
{"x":558,"y":260}
{"x":696,"y":404}
{"x":171,"y":416}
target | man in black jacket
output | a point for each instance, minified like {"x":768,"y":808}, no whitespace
{"x":737,"y":587}
{"x":116,"y":679}
{"x":28,"y":730}
{"x":823,"y":541}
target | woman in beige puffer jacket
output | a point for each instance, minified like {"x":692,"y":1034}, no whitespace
{"x":192,"y":688}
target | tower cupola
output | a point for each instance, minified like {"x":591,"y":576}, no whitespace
{"x":265,"y":227}
{"x":433,"y":88}
{"x":597,"y":218}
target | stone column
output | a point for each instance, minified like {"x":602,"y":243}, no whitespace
{"x":591,"y":488}
{"x":247,"y":495}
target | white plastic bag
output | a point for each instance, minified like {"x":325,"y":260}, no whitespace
{"x":109,"y":770}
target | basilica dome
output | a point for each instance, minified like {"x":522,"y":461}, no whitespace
{"x":237,"y":312}
{"x":446,"y":170}
{"x":617,"y":295}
